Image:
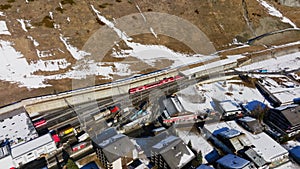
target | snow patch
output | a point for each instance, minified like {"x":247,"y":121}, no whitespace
{"x":153,"y":33}
{"x":77,"y":54}
{"x":286,"y":62}
{"x":35,"y":43}
{"x":15,"y":68}
{"x":274,"y":12}
{"x":51,"y":15}
{"x":4,"y":29}
{"x":21,"y":21}
{"x":45,"y":53}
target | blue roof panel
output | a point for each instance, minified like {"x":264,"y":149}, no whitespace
{"x":216,"y":132}
{"x":229,"y":133}
{"x":251,"y":106}
{"x":233,"y":161}
{"x":295,"y":153}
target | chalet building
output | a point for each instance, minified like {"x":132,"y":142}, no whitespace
{"x":285,"y":119}
{"x":171,"y":153}
{"x":114,"y":150}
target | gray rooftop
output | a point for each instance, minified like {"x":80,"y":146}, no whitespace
{"x":255,"y":158}
{"x":114,"y":145}
{"x":174,"y":151}
{"x":21,"y":149}
{"x":292,"y":113}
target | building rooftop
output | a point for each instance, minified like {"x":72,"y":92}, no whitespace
{"x":4,"y":151}
{"x":20,"y":149}
{"x":170,"y":106}
{"x":265,"y":146}
{"x":230,"y":133}
{"x":175,"y":153}
{"x":251,"y":106}
{"x":291,"y":113}
{"x":229,"y":106}
{"x":114,"y":145}
{"x":247,"y":119}
{"x":295,"y":153}
{"x":233,"y":161}
{"x":17,"y":127}
{"x":252,"y":124}
{"x":202,"y":166}
{"x":104,"y":135}
{"x":255,"y":158}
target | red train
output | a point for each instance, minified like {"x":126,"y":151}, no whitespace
{"x":181,"y":118}
{"x":153,"y":85}
{"x":39,"y":122}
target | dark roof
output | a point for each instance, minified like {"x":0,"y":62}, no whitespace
{"x":170,"y":107}
{"x":114,"y":145}
{"x":233,"y":161}
{"x":104,"y":135}
{"x":91,"y":165}
{"x":291,"y":113}
{"x":175,"y":153}
{"x":135,"y":164}
{"x":255,"y":158}
{"x":13,"y":113}
{"x":212,"y":156}
{"x":252,"y":123}
{"x":147,"y":142}
{"x":119,"y":148}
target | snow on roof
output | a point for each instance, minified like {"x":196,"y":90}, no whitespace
{"x":281,"y":108}
{"x":229,"y":106}
{"x":111,"y":140}
{"x":17,"y":126}
{"x":197,"y":141}
{"x":247,"y":119}
{"x":287,"y":95}
{"x":291,"y":144}
{"x":159,"y":129}
{"x":165,"y":142}
{"x":191,"y":99}
{"x":265,"y":146}
{"x":289,"y":165}
{"x":21,"y":149}
{"x":4,"y":29}
{"x":233,"y":161}
{"x":185,"y":158}
{"x":7,"y":162}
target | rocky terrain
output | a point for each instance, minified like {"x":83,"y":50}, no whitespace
{"x":52,"y":34}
